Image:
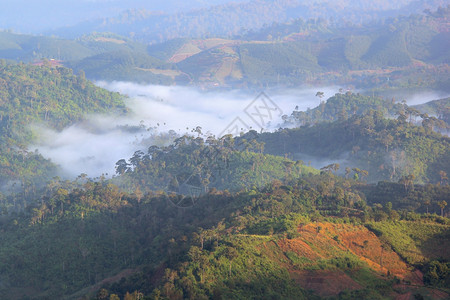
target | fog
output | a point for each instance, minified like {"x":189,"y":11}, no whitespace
{"x":414,"y":96}
{"x":95,"y":145}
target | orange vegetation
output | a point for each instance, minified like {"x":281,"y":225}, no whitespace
{"x":327,"y":241}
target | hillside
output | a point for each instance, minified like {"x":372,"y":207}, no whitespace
{"x":388,"y":149}
{"x":439,"y":108}
{"x":398,"y":53}
{"x":383,"y":56}
{"x":41,"y":95}
{"x":191,"y":164}
{"x":232,"y":18}
{"x":345,"y":200}
{"x":294,"y":241}
{"x":206,"y":217}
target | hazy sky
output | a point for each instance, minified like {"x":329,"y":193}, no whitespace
{"x":36,"y":16}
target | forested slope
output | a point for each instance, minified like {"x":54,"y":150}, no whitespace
{"x":359,"y":132}
{"x":86,"y":235}
{"x":44,"y":95}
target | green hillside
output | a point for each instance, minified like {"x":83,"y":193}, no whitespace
{"x":388,"y":149}
{"x":45,"y":95}
{"x":266,"y":241}
{"x":404,"y":52}
{"x":235,"y":217}
{"x":208,"y":218}
{"x":439,"y":108}
{"x":401,"y":53}
{"x":220,"y":164}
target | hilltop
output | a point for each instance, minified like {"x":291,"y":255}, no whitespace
{"x":398,"y":53}
{"x":41,"y":95}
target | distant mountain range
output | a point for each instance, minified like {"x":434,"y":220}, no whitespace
{"x":229,"y":18}
{"x":402,"y":52}
{"x":37,"y":17}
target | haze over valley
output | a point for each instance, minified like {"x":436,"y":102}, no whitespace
{"x":246,"y":149}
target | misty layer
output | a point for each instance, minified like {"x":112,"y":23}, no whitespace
{"x":95,"y":145}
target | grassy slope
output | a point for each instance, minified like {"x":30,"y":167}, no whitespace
{"x":325,"y":259}
{"x":416,"y":242}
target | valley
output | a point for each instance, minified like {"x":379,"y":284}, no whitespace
{"x":225,"y":150}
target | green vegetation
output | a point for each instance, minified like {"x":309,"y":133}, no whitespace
{"x":219,"y":164}
{"x":234,"y":245}
{"x":439,"y":108}
{"x":387,"y":149}
{"x":48,"y":96}
{"x":234,"y":217}
{"x":206,"y":217}
{"x":404,"y":52}
{"x":399,"y":53}
{"x":416,"y":241}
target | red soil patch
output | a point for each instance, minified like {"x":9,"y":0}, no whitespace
{"x":366,"y":245}
{"x":327,"y":241}
{"x":299,"y":247}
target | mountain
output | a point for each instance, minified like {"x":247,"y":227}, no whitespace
{"x":205,"y":217}
{"x":47,"y":15}
{"x":231,"y":17}
{"x":347,"y":200}
{"x":41,"y":95}
{"x":368,"y":57}
{"x":401,"y":53}
{"x":388,"y":149}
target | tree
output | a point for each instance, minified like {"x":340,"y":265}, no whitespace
{"x":407,"y":181}
{"x":443,"y":176}
{"x":230,"y":254}
{"x":122,"y":167}
{"x":427,"y":203}
{"x":320,"y":95}
{"x":102,"y":294}
{"x":331,"y":167}
{"x":347,"y":172}
{"x":442,"y":204}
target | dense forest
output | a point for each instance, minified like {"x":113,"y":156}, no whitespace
{"x":92,"y":234}
{"x":41,"y":96}
{"x":229,"y":217}
{"x":345,"y":200}
{"x":193,"y":219}
{"x":360,"y":132}
{"x":240,"y":17}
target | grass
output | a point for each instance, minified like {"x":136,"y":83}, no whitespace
{"x":416,"y":242}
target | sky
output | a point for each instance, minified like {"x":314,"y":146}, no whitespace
{"x":39,"y":16}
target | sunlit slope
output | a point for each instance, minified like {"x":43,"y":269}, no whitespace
{"x":325,"y":259}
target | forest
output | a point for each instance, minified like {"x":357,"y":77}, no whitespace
{"x":348,"y":199}
{"x":229,"y":217}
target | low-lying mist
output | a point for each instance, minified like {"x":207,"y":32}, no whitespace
{"x":96,"y":144}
